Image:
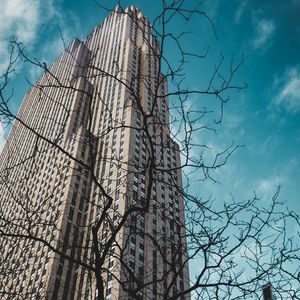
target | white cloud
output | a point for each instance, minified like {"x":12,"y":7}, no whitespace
{"x":64,"y":30}
{"x":240,"y":11}
{"x":289,"y":91}
{"x":52,"y":48}
{"x":263,"y":33}
{"x":282,"y":176}
{"x":267,"y":187}
{"x":21,"y":19}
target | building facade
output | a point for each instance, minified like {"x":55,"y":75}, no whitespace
{"x":92,"y":145}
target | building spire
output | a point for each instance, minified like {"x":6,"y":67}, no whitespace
{"x":118,"y":8}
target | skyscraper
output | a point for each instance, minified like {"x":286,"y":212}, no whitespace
{"x":90,"y":180}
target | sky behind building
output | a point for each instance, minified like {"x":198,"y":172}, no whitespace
{"x":264,"y":117}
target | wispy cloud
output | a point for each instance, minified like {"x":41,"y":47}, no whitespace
{"x":19,"y":19}
{"x":51,"y":49}
{"x":22,"y":19}
{"x":288,"y":95}
{"x":240,"y":11}
{"x":266,"y":187}
{"x":264,"y":31}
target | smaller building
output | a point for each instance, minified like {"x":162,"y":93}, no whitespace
{"x":267,"y":292}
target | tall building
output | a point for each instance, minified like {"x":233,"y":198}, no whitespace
{"x":94,"y":129}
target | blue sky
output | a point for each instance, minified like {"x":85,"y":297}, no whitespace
{"x":264,"y":117}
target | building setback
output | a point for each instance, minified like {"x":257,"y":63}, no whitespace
{"x":99,"y":107}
